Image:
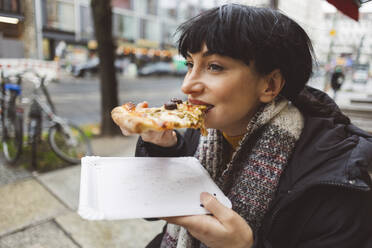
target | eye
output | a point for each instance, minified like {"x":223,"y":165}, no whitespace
{"x":215,"y":67}
{"x":189,"y":64}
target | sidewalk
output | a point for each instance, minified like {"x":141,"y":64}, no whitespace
{"x":39,"y":211}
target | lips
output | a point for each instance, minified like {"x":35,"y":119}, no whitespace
{"x":198,"y":102}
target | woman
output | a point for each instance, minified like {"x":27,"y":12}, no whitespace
{"x":291,"y":163}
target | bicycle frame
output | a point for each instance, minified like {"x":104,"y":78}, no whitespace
{"x":52,"y":117}
{"x":49,"y":109}
{"x":11,"y":118}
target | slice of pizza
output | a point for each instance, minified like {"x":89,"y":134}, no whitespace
{"x":172,"y":115}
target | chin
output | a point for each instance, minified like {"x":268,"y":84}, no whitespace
{"x":210,"y":124}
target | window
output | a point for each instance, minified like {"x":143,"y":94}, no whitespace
{"x":60,"y":15}
{"x":10,"y":6}
{"x":152,"y":7}
{"x":86,"y":23}
{"x":124,"y":26}
{"x":168,"y":8}
{"x":168,"y":34}
{"x":149,"y":30}
{"x":187,"y":10}
{"x":147,"y":7}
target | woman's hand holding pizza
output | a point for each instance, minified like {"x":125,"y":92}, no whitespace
{"x":165,"y":138}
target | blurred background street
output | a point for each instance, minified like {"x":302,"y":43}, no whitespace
{"x":354,"y":99}
{"x":67,"y":94}
{"x":59,"y":39}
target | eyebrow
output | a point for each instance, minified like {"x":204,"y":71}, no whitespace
{"x":205,"y":54}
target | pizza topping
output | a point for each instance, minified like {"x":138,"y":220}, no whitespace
{"x":170,"y":105}
{"x":171,"y":115}
{"x":130,"y":106}
{"x":176,"y":100}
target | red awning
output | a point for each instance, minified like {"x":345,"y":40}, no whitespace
{"x":348,"y":7}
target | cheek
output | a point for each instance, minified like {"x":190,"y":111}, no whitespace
{"x":235,"y":97}
{"x":225,"y":95}
{"x":235,"y":103}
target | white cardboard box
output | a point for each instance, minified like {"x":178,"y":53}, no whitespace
{"x":114,"y":188}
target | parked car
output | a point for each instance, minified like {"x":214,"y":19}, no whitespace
{"x":161,"y":68}
{"x":91,"y":66}
{"x":156,"y":68}
{"x":360,"y":74}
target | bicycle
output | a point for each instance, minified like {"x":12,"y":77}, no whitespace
{"x":11,"y":117}
{"x":66,"y":139}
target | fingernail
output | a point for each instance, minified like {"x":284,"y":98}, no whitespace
{"x":204,"y":196}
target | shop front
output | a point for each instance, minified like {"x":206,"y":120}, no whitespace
{"x":11,"y":27}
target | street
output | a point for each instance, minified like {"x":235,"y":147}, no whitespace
{"x":78,"y":99}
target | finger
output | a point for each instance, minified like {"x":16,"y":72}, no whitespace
{"x":148,"y":135}
{"x":169,"y":138}
{"x":222,"y":213}
{"x":199,"y":226}
{"x":125,"y":131}
{"x":193,"y":222}
{"x":184,"y":221}
{"x":169,"y":134}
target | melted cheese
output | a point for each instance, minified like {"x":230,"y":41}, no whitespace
{"x":183,"y":115}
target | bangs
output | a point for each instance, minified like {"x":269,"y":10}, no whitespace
{"x":219,"y":30}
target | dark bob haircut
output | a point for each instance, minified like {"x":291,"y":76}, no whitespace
{"x":265,"y":36}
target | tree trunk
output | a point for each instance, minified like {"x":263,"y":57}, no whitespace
{"x":102,"y":18}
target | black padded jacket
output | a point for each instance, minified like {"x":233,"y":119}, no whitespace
{"x":324,"y":198}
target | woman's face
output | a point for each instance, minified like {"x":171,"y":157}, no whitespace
{"x":230,"y":88}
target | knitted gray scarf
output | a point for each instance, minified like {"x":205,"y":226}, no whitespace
{"x":251,"y":178}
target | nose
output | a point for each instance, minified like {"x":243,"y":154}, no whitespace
{"x":192,"y":84}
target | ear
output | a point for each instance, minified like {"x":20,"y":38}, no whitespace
{"x":272,"y":85}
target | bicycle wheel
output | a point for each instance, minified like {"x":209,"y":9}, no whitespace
{"x":12,"y":139}
{"x":69,"y":142}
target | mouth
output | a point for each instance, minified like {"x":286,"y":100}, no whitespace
{"x":198,"y":102}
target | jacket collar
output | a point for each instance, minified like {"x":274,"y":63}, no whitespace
{"x":330,"y":151}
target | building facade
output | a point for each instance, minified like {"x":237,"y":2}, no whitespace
{"x":346,"y":37}
{"x":11,"y":28}
{"x":139,"y":23}
{"x":47,"y":26}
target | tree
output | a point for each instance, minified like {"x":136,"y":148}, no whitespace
{"x":102,"y":18}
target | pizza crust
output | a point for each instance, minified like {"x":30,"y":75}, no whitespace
{"x":133,"y":123}
{"x":138,"y":120}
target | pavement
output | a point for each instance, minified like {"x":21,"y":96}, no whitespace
{"x":39,"y":210}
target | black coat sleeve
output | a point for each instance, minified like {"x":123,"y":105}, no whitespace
{"x":324,"y":217}
{"x":156,"y":242}
{"x":186,"y":146}
{"x":344,"y":220}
